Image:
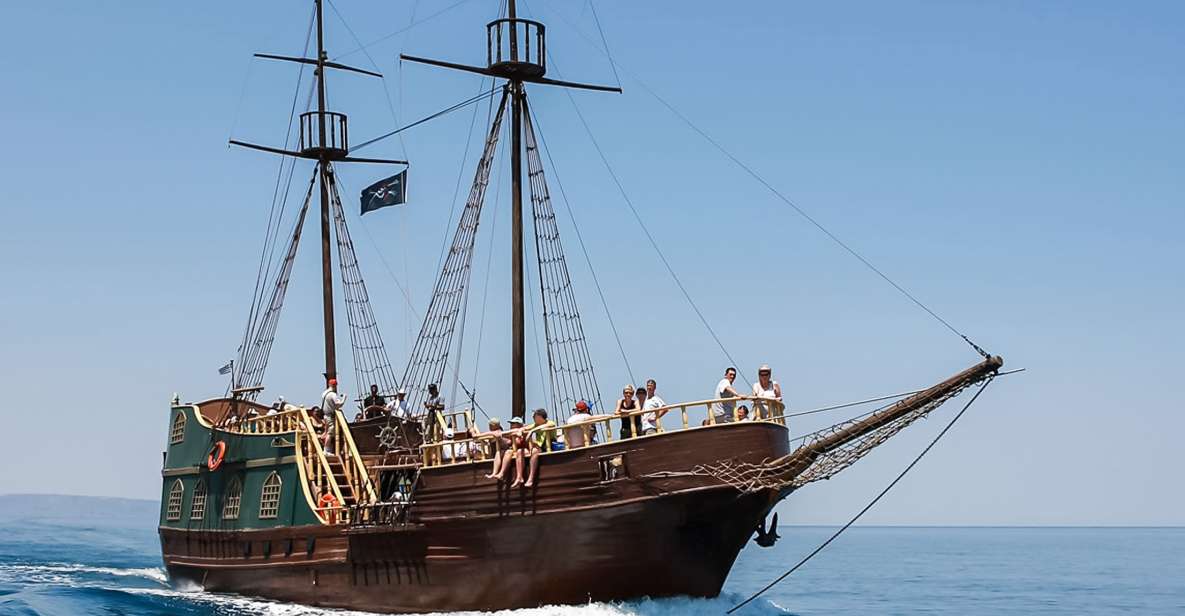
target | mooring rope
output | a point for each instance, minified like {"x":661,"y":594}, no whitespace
{"x":871,"y":503}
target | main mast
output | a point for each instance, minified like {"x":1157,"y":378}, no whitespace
{"x":516,"y":52}
{"x":323,"y":166}
{"x":518,"y":376}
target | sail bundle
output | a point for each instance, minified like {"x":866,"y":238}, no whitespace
{"x":429,"y":357}
{"x":256,"y":347}
{"x":569,"y":364}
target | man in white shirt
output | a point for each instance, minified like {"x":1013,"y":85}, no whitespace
{"x":652,"y":402}
{"x":723,"y":411}
{"x":574,"y":436}
{"x":397,"y":407}
{"x":331,"y":401}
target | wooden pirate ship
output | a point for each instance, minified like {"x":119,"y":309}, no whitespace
{"x":386,"y":513}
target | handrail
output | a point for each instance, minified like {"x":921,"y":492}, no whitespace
{"x":281,"y":422}
{"x":342,"y":428}
{"x":767,"y":410}
{"x":308,"y":434}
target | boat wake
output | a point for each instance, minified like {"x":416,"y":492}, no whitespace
{"x":47,"y":588}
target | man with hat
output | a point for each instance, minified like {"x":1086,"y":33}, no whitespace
{"x":765,"y":387}
{"x":397,"y":407}
{"x":331,"y":401}
{"x":574,"y":435}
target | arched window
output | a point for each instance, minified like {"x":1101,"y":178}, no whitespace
{"x":173,"y":507}
{"x":197,"y":510}
{"x":234,"y":496}
{"x":269,"y":499}
{"x":177,"y":434}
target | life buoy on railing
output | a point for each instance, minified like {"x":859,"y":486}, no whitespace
{"x":217,"y":454}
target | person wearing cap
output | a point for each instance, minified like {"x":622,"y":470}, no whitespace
{"x":331,"y":401}
{"x":450,"y":451}
{"x":397,"y":407}
{"x":576,"y":435}
{"x":765,"y":387}
{"x":723,"y":411}
{"x":516,"y":442}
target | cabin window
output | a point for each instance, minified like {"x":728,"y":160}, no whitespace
{"x":177,"y":434}
{"x":269,"y":499}
{"x":197,"y":510}
{"x":234,"y":496}
{"x":173,"y":506}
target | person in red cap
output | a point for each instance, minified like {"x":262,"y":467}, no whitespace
{"x":575,"y":435}
{"x":331,"y":403}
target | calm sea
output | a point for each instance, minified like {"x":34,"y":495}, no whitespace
{"x":71,"y":556}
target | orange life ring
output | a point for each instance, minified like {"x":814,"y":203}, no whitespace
{"x":217,"y":454}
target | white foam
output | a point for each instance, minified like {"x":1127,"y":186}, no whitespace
{"x":156,"y":574}
{"x":71,"y":576}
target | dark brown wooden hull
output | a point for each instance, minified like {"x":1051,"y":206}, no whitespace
{"x":478,"y":545}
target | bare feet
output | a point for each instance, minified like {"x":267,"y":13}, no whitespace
{"x":529,"y":483}
{"x":517,"y":483}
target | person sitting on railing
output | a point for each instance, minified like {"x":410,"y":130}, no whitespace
{"x":517,"y":439}
{"x":765,"y":387}
{"x":499,"y":446}
{"x":723,"y":410}
{"x":397,"y":407}
{"x":540,"y":438}
{"x":626,"y":404}
{"x":574,"y":434}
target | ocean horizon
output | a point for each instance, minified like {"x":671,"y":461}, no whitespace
{"x":64,"y":555}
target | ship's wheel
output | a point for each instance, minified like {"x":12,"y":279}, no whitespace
{"x":387,"y":437}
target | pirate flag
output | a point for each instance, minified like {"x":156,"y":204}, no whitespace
{"x":391,"y":191}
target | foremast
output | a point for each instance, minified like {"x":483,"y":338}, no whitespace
{"x":324,"y":138}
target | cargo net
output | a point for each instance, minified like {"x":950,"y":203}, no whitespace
{"x":823,"y":454}
{"x":569,"y":362}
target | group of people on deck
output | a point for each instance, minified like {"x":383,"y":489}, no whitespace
{"x":640,"y":408}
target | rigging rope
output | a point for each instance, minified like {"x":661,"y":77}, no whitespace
{"x":469,"y":101}
{"x":386,"y":90}
{"x":583,"y":248}
{"x":569,"y":362}
{"x":429,"y":358}
{"x":761,"y":180}
{"x":403,"y":29}
{"x":871,"y":503}
{"x":649,"y":236}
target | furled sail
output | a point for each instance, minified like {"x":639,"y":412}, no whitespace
{"x":429,"y":357}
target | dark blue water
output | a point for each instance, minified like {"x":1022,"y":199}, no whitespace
{"x":70,"y":556}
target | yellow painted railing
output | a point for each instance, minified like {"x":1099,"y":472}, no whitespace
{"x":599,"y":429}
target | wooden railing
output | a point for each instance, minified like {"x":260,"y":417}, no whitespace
{"x":318,"y":472}
{"x":355,"y":469}
{"x":599,"y":429}
{"x":283,"y":421}
{"x":314,"y":460}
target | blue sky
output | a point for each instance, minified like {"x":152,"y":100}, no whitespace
{"x":1017,"y":166}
